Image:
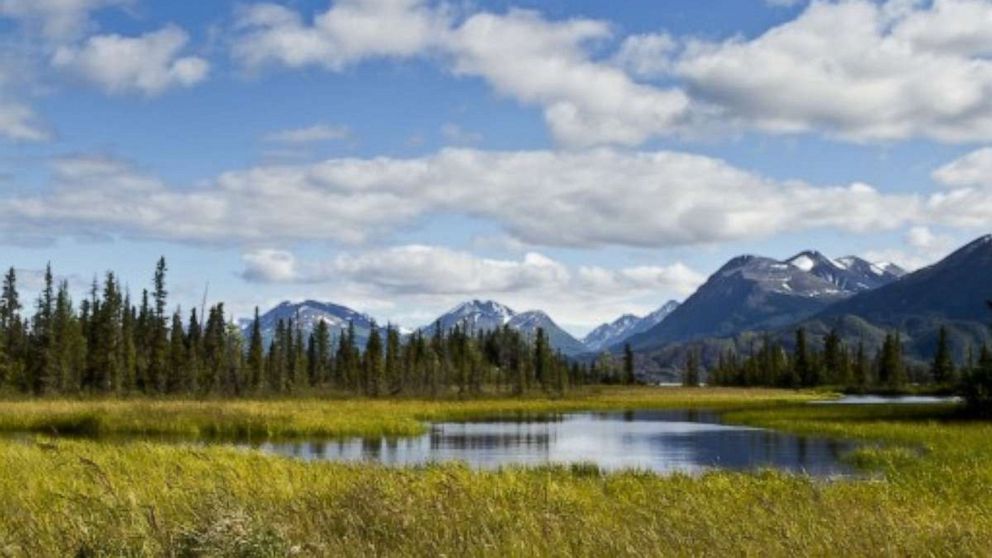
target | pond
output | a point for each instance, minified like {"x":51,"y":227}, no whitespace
{"x":658,"y":441}
{"x":889,"y":400}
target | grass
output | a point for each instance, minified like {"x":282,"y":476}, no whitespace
{"x":932,"y":495}
{"x":288,"y":418}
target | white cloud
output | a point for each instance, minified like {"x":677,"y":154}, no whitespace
{"x":519,"y":53}
{"x":436,"y":277}
{"x":973,"y":169}
{"x":967,"y":199}
{"x":311,"y":134}
{"x":57,"y":19}
{"x":348,"y":32}
{"x":858,"y":70}
{"x":648,"y":55}
{"x":921,"y":247}
{"x":269,"y":266}
{"x":580,"y":199}
{"x":18,"y":122}
{"x":149,"y":64}
{"x":540,"y":62}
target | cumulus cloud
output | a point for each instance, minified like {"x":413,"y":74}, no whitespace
{"x":541,"y":62}
{"x":148,"y":64}
{"x":921,"y":247}
{"x":311,"y":134}
{"x":648,"y":55}
{"x":348,"y":32}
{"x":972,"y":169}
{"x":521,"y":54}
{"x":57,"y":19}
{"x":269,"y":266}
{"x":967,"y":198}
{"x":438,"y":276}
{"x":858,"y":70}
{"x":573,"y":198}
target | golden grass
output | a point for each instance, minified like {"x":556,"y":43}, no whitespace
{"x":933,"y":496}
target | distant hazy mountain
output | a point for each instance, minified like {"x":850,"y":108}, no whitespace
{"x":621,"y":329}
{"x":757,"y":293}
{"x":479,"y":315}
{"x":306,"y":315}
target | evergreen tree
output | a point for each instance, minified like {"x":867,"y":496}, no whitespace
{"x":804,"y":369}
{"x":178,"y":365}
{"x":158,"y":334}
{"x":373,"y":366}
{"x":942,"y":368}
{"x":256,"y":354}
{"x":690,"y":376}
{"x":628,"y":365}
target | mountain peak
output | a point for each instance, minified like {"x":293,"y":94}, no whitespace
{"x":809,"y":260}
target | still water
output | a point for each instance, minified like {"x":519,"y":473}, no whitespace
{"x":659,"y":441}
{"x":889,"y":400}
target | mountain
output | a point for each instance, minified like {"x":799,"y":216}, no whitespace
{"x":621,"y":329}
{"x":850,"y":273}
{"x":950,"y":294}
{"x":954,"y":288}
{"x":479,"y":315}
{"x":758,"y":293}
{"x":474,"y":315}
{"x":528,"y":323}
{"x":308,"y":314}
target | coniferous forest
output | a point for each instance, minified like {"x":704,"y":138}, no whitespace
{"x":110,"y":343}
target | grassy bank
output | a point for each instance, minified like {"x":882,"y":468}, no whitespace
{"x":342,"y":417}
{"x":932,"y":496}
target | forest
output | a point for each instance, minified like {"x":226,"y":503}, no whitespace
{"x":112,"y":344}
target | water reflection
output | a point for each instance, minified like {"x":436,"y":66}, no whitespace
{"x":660,"y":441}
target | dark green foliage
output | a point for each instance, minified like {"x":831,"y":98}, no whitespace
{"x":942,"y":369}
{"x":628,"y":365}
{"x":111,"y":346}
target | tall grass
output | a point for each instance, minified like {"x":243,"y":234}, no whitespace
{"x":339,"y":417}
{"x":931,"y":494}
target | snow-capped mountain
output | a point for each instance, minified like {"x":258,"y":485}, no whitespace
{"x":621,"y":329}
{"x":306,"y":315}
{"x":479,"y":315}
{"x":474,"y":315}
{"x":758,"y":293}
{"x":849,"y":273}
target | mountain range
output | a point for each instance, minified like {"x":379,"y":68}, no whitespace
{"x":758,"y":293}
{"x":746,"y":298}
{"x":617,"y":332}
{"x":951,"y":293}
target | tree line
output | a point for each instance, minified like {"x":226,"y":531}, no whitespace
{"x":112,"y":344}
{"x":839,"y":365}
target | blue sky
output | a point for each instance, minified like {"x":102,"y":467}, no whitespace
{"x":587,"y":158}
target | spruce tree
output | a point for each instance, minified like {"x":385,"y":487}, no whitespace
{"x":178,"y":365}
{"x":942,"y":368}
{"x":256,"y":354}
{"x":628,"y":365}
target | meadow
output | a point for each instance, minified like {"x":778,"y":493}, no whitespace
{"x":926,"y":487}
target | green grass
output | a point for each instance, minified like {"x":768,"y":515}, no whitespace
{"x":929,"y":494}
{"x":340,"y":417}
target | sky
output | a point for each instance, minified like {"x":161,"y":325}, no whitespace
{"x":587,"y":158}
